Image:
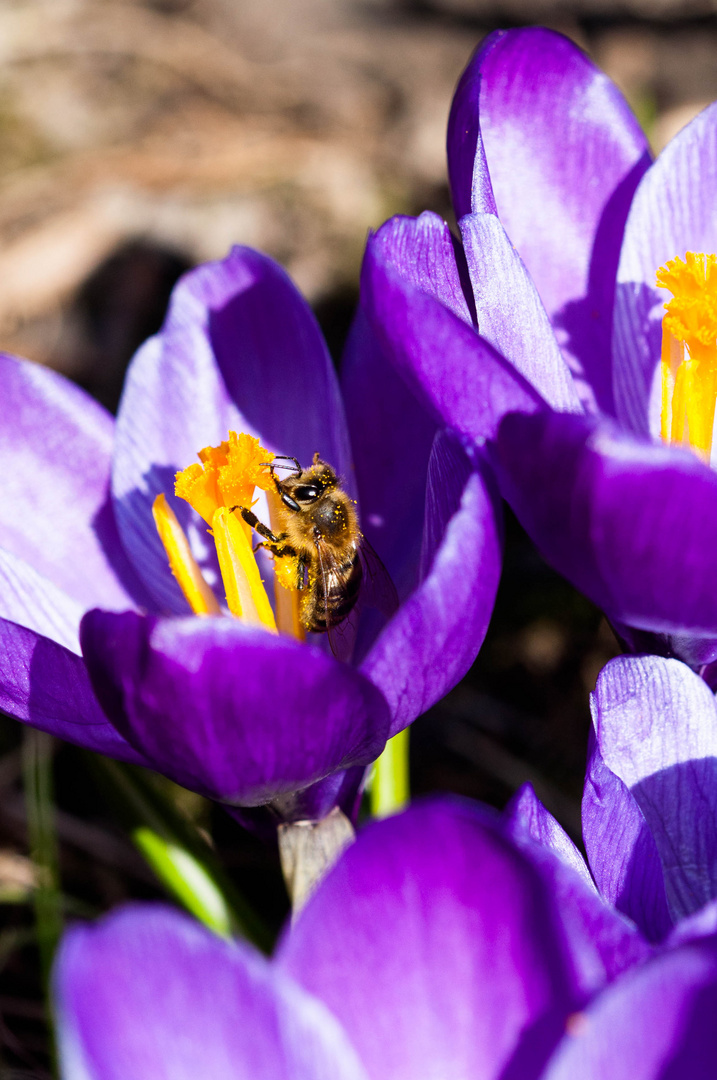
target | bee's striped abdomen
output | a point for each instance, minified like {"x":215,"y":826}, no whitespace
{"x":334,"y":596}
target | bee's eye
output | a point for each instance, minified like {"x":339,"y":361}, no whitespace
{"x":307,"y":492}
{"x":288,"y":501}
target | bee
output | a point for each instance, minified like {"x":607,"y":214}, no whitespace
{"x":318,"y":525}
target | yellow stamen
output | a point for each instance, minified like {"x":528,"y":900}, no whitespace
{"x":226,"y":479}
{"x":672,"y":356}
{"x":184,"y":566}
{"x":246,"y":595}
{"x":689,"y":351}
{"x":286,"y":596}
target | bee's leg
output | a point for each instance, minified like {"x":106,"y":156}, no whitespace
{"x":278,"y":549}
{"x":301,"y":572}
{"x":253,"y":520}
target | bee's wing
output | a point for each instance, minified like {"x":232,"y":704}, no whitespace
{"x":342,"y":636}
{"x":377,"y":589}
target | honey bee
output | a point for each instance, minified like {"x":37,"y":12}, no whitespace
{"x":319,"y":526}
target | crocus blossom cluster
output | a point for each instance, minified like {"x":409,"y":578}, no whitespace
{"x":542,"y":351}
{"x":445,"y":942}
{"x":450,"y":941}
{"x":540,"y":336}
{"x":98,"y":644}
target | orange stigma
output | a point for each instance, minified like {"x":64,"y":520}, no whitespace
{"x":225,"y":480}
{"x":689,"y":351}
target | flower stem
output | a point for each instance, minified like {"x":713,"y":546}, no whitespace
{"x":177,"y":853}
{"x":37,"y":772}
{"x":308,"y":850}
{"x":390,"y":790}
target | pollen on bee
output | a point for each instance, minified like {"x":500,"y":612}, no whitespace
{"x":689,"y":351}
{"x":286,"y":572}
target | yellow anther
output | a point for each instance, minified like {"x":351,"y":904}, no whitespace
{"x":226,"y":478}
{"x":287,"y":598}
{"x":224,"y":481}
{"x":184,"y":566}
{"x":246,"y":595}
{"x":689,"y":351}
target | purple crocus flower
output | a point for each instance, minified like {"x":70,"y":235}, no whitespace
{"x":438,"y":946}
{"x":650,"y":799}
{"x":226,"y":709}
{"x":650,"y":803}
{"x":564,"y":223}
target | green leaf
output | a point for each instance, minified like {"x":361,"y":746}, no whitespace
{"x":177,"y":852}
{"x":187,"y":879}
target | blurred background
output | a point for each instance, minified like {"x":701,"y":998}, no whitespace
{"x":139,"y":137}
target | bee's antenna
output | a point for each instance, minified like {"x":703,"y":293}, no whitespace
{"x":282,"y":457}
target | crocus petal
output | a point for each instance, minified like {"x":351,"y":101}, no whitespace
{"x":435,"y":636}
{"x":621,"y":849}
{"x":672,"y":212}
{"x":29,"y":599}
{"x":149,"y":994}
{"x":541,"y":137}
{"x":603,"y":944}
{"x":343,"y":789}
{"x":55,"y":446}
{"x":653,"y":1024}
{"x":241,"y":350}
{"x":237,"y":714}
{"x":423,"y":252}
{"x":510,"y":313}
{"x":656,"y":727}
{"x":453,"y":371}
{"x":525,"y":814}
{"x":702,"y":924}
{"x":698,"y":651}
{"x":46,"y":686}
{"x":391,"y":432}
{"x":392,"y":436}
{"x":638,"y":521}
{"x":459,"y":932}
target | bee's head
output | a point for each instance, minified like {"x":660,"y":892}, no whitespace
{"x":305,"y":488}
